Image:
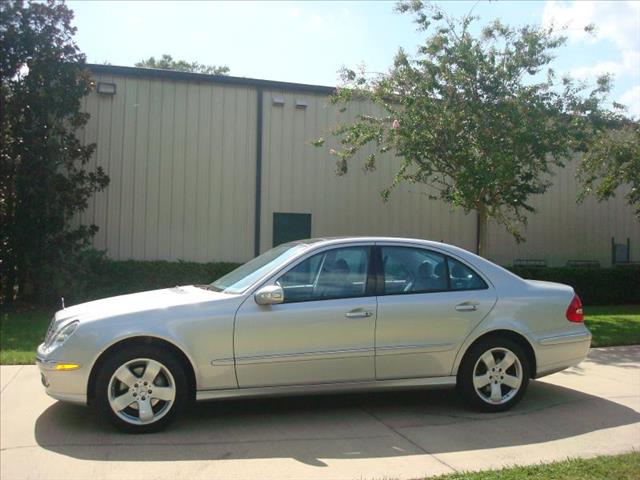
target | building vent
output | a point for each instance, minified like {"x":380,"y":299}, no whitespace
{"x":278,"y":100}
{"x":106,"y":88}
{"x":301,"y":104}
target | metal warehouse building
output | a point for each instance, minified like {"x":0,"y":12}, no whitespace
{"x":211,"y":168}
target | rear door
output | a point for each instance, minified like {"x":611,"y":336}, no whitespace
{"x":428,"y":303}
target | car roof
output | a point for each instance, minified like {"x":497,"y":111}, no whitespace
{"x":351,"y":239}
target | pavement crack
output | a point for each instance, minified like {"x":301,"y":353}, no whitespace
{"x":406,"y":438}
{"x":12,"y":379}
{"x":192,"y":444}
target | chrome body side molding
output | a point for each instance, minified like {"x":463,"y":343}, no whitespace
{"x":325,"y":388}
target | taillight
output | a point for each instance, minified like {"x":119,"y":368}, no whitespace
{"x":574,"y":312}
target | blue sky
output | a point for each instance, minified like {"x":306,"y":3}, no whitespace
{"x":309,"y":41}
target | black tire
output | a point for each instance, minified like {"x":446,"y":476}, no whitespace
{"x":121,"y":357}
{"x":465,"y":383}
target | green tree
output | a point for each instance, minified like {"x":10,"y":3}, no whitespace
{"x":479,"y":118}
{"x":612,"y":162}
{"x":166,"y":62}
{"x":44,"y":179}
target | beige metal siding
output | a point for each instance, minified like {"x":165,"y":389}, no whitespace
{"x":181,"y":158}
{"x":300,"y":178}
{"x":562,"y":230}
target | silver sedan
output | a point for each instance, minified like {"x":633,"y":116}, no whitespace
{"x":315,"y":316}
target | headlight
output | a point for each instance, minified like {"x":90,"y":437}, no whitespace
{"x":61,"y":336}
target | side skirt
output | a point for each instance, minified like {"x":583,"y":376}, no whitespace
{"x":326,"y":388}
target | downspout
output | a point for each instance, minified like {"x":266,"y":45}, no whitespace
{"x":258,"y":192}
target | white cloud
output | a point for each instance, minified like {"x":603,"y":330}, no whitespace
{"x":294,"y":12}
{"x":313,"y":22}
{"x":618,"y":22}
{"x":615,"y":22}
{"x":629,"y":64}
{"x":318,"y":22}
{"x":631,"y":99}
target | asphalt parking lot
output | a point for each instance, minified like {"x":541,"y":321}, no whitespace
{"x":586,"y":411}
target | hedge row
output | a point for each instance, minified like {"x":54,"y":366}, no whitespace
{"x":91,"y":276}
{"x":117,"y":278}
{"x":596,"y":286}
{"x":96,"y":277}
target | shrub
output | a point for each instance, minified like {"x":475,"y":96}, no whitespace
{"x":91,"y":275}
{"x":596,"y":286}
{"x":98,"y":277}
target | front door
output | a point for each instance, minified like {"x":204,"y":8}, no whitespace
{"x":322,"y":333}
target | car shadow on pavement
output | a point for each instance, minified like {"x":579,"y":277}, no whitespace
{"x":623,"y":357}
{"x":373,"y":425}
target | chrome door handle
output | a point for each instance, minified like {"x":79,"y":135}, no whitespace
{"x":466,"y":307}
{"x":358,"y":314}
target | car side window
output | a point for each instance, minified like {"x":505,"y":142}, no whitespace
{"x":413,"y":270}
{"x":462,"y":277}
{"x":337,"y":273}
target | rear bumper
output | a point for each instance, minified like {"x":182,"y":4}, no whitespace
{"x":558,"y":352}
{"x":67,"y":386}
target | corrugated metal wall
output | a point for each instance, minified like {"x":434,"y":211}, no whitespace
{"x":563,"y":230}
{"x":182,"y":160}
{"x":300,"y":178}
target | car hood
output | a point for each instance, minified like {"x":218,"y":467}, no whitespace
{"x":139,"y":302}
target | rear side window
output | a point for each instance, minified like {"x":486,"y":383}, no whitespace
{"x":413,"y":270}
{"x":462,"y":277}
{"x":416,"y":270}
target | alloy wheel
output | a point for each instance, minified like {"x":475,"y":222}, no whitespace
{"x":497,"y":376}
{"x":141,"y":391}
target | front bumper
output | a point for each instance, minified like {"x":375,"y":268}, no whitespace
{"x":64,"y":385}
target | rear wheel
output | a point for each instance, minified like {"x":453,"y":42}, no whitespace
{"x":141,"y":388}
{"x":494,"y":375}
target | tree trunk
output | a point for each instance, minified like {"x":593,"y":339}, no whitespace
{"x":8,"y":285}
{"x":483,"y":221}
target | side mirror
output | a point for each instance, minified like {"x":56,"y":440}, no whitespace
{"x":269,"y":295}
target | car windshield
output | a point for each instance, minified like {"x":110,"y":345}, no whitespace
{"x":246,"y":275}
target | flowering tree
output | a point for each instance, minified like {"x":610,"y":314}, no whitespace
{"x":479,"y":118}
{"x":613,"y":161}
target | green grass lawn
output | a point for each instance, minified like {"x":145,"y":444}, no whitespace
{"x":613,"y":325}
{"x":20,"y":333}
{"x":616,"y":467}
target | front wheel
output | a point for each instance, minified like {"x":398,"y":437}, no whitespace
{"x":494,"y":375}
{"x":140,"y":389}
